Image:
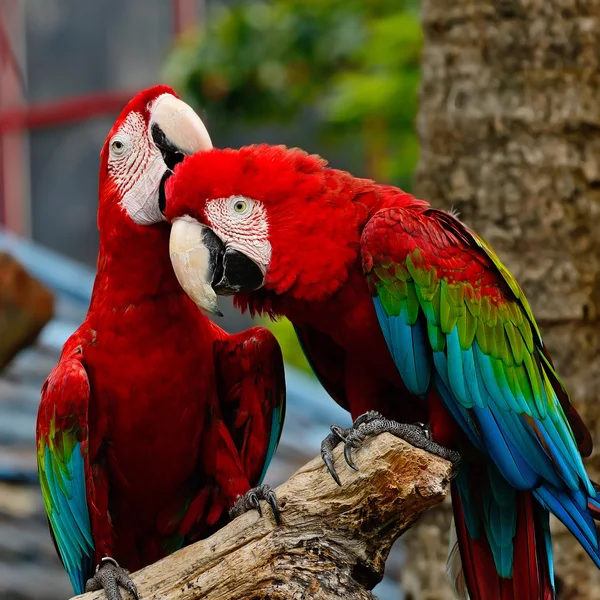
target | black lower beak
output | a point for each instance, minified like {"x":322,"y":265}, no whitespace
{"x":172,"y":157}
{"x":233,"y":271}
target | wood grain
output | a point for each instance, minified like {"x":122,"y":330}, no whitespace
{"x":333,"y":542}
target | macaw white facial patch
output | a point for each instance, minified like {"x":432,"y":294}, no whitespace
{"x":242,"y":224}
{"x":136,"y":166}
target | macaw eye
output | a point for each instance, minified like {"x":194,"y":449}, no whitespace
{"x":117,"y":147}
{"x":240,"y":206}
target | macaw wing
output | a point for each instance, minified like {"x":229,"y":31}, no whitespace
{"x":453,"y":317}
{"x":326,"y":359}
{"x":578,"y":427}
{"x":64,"y":473}
{"x":251,"y":384}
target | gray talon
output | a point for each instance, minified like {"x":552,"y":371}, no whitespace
{"x":374,"y":423}
{"x":338,"y":434}
{"x":367,"y":417}
{"x":109,"y":577}
{"x":348,"y":456}
{"x":251,"y":501}
{"x":328,"y":460}
{"x":354,"y":439}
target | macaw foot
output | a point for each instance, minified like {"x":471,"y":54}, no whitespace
{"x":109,"y":577}
{"x":374,"y":423}
{"x":251,"y":500}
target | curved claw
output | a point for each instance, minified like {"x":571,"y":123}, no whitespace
{"x":328,"y":460}
{"x":251,"y":500}
{"x":130,"y":587}
{"x":256,"y":504}
{"x":328,"y":444}
{"x":426,"y":429}
{"x":367,"y":417}
{"x":272,"y":500}
{"x":340,"y":432}
{"x":348,"y":455}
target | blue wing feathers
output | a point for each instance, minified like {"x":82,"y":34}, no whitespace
{"x":483,"y":357}
{"x":575,"y":518}
{"x":409,"y":348}
{"x":505,"y":401}
{"x":455,"y":370}
{"x":506,"y":457}
{"x":458,"y":412}
{"x":69,"y":516}
{"x":473,"y":379}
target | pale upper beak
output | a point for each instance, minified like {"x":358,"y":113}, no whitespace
{"x":205,"y":266}
{"x":182,"y":129}
{"x":177,"y":131}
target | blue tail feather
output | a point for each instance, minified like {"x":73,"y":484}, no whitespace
{"x":572,"y":510}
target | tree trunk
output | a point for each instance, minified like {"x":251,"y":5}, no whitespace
{"x":333,"y":541}
{"x":510,"y":135}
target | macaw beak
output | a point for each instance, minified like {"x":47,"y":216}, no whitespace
{"x":177,"y":131}
{"x":205,"y":266}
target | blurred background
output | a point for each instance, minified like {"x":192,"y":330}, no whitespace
{"x":506,"y":128}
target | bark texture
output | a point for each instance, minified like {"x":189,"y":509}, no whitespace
{"x":333,"y":542}
{"x":510,"y":134}
{"x":25,"y":307}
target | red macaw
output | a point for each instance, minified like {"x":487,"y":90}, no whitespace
{"x":405,"y":316}
{"x":155,"y":420}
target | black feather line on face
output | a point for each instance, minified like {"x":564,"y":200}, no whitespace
{"x":172,"y":157}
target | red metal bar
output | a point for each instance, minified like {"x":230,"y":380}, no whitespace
{"x":14,"y":200}
{"x":60,"y":112}
{"x":185,"y":14}
{"x":7,"y":53}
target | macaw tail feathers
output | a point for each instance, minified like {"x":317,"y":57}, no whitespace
{"x":502,"y":549}
{"x":576,"y":509}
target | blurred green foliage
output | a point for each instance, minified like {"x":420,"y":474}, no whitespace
{"x":354,"y":64}
{"x":290,"y":347}
{"x":350,"y":68}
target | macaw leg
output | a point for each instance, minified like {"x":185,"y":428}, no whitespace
{"x":109,"y":577}
{"x":374,"y":423}
{"x":251,"y":500}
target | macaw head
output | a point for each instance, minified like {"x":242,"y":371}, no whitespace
{"x":262,"y":218}
{"x":152,"y":134}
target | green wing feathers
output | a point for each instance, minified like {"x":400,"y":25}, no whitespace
{"x":441,"y":292}
{"x":63,"y":469}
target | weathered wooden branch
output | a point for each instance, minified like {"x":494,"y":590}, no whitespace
{"x":333,"y":542}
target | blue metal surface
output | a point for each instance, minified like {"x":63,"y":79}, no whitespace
{"x":61,"y":274}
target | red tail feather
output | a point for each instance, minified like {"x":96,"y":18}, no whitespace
{"x":531,"y":578}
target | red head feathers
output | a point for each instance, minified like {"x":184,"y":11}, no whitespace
{"x":265,"y":216}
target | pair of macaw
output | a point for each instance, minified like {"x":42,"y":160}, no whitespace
{"x":405,"y":315}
